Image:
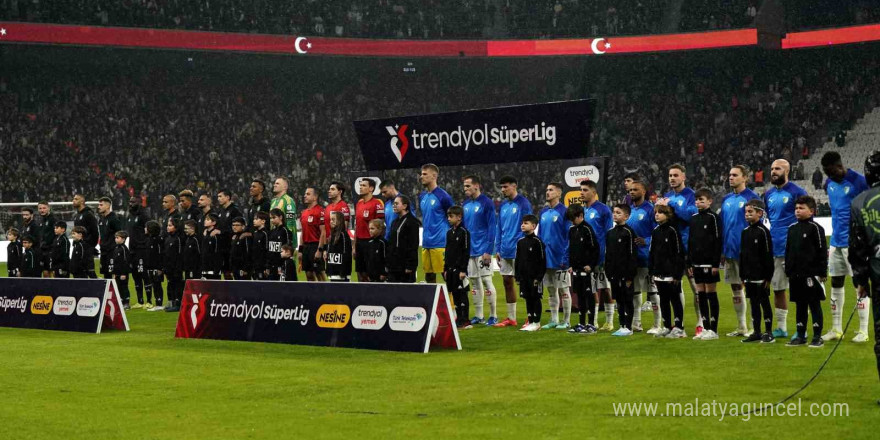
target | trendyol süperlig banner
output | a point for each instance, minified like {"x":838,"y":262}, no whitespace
{"x":77,"y":305}
{"x":379,"y":316}
{"x":525,"y":133}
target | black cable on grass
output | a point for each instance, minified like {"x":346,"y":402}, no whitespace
{"x":821,"y":367}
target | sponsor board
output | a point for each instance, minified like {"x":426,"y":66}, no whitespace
{"x":332,"y":316}
{"x":64,"y":306}
{"x":407,"y":319}
{"x":41,"y":305}
{"x":88,"y":307}
{"x":61,"y":304}
{"x":367,"y":317}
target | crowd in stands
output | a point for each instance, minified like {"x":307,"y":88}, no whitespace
{"x":125,"y":136}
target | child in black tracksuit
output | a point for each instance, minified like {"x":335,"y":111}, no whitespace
{"x":287,"y":271}
{"x":212,"y":253}
{"x":756,"y":270}
{"x":60,"y":256}
{"x":455,"y":264}
{"x":14,"y":252}
{"x":704,"y":259}
{"x":30,"y":264}
{"x":806,"y":265}
{"x":120,"y":267}
{"x":260,"y":247}
{"x":583,"y":256}
{"x":339,"y":249}
{"x":80,"y":255}
{"x":530,"y":266}
{"x":666,"y":266}
{"x":621,"y":265}
{"x":192,"y":252}
{"x":279,"y":236}
{"x":377,"y":246}
{"x":153,"y":264}
{"x":172,"y":260}
{"x":240,"y":250}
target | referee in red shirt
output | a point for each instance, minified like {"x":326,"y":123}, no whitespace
{"x":312,"y":221}
{"x":334,"y":203}
{"x":368,"y":208}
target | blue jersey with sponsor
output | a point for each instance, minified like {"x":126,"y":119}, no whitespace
{"x":479,"y":220}
{"x":509,"y":220}
{"x":641,"y":220}
{"x":840,"y":197}
{"x":553,"y":231}
{"x":598,"y":216}
{"x":733,"y":221}
{"x":390,"y":215}
{"x":685,"y":206}
{"x":780,"y":212}
{"x":433,"y":206}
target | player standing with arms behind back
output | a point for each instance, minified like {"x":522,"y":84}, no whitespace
{"x":480,"y":221}
{"x":368,"y":208}
{"x":553,"y":232}
{"x":733,"y":222}
{"x":433,"y":203}
{"x":509,"y":231}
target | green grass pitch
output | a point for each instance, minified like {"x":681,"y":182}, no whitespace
{"x":503,"y":384}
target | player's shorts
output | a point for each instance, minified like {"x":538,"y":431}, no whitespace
{"x":309,"y":263}
{"x":476,"y":268}
{"x":362,"y":250}
{"x":838,"y":264}
{"x":642,"y":282}
{"x":806,"y":289}
{"x":731,"y":272}
{"x":780,"y":280}
{"x":433,"y":260}
{"x":599,"y":280}
{"x":507,"y":267}
{"x":704,"y":275}
{"x":557,"y":279}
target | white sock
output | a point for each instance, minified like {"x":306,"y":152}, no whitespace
{"x":837,"y":299}
{"x":739,"y":305}
{"x":477,"y":297}
{"x":554,"y":305}
{"x":637,"y":309}
{"x":595,"y":322}
{"x":864,"y":319}
{"x":609,"y":313}
{"x":781,"y":319}
{"x":566,"y":305}
{"x":490,"y":295}
{"x":511,"y":311}
{"x":655,"y":308}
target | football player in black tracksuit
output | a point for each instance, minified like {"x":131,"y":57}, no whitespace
{"x":621,"y":265}
{"x":260,"y":249}
{"x":583,"y":256}
{"x":756,"y":270}
{"x":279,"y":236}
{"x":173,"y":264}
{"x":666,"y":264}
{"x":108,"y":225}
{"x":135,"y":224}
{"x":864,"y":239}
{"x":13,"y":254}
{"x":212,"y":255}
{"x":226,"y":213}
{"x":806,"y":265}
{"x":377,"y":248}
{"x":86,"y":218}
{"x":47,"y":237}
{"x":60,"y":255}
{"x":240,"y":250}
{"x":153,"y":264}
{"x":192,"y":252}
{"x":455,"y":264}
{"x":704,"y":259}
{"x":30,"y":227}
{"x":531,"y":263}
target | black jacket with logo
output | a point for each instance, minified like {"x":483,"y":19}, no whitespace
{"x":339,"y":254}
{"x":153,"y":257}
{"x":30,"y":267}
{"x":80,"y":259}
{"x":172,"y":255}
{"x":704,"y":241}
{"x":135,"y":222}
{"x":120,"y":264}
{"x":621,"y":253}
{"x":806,"y":251}
{"x":14,"y":258}
{"x":212,"y":257}
{"x":666,"y":258}
{"x":376,"y":268}
{"x":163,"y":221}
{"x":240,"y":253}
{"x":287,"y":269}
{"x":108,"y":226}
{"x":47,"y":233}
{"x":531,"y":261}
{"x":403,"y":244}
{"x":60,"y":256}
{"x":756,"y":253}
{"x":192,"y":256}
{"x":583,"y":248}
{"x":458,"y":242}
{"x":87,"y":219}
{"x":32,"y":228}
{"x":260,"y":250}
{"x":263,"y":205}
{"x":277,"y":237}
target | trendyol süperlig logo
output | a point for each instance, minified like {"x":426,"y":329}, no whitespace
{"x":459,"y":137}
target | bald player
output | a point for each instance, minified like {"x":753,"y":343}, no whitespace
{"x":779,"y":200}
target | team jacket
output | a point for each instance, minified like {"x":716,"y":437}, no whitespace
{"x":134,"y":225}
{"x":531,"y":261}
{"x":192,"y":256}
{"x":60,"y":256}
{"x":667,"y":252}
{"x":684,"y":205}
{"x":255,"y":207}
{"x":260,"y":250}
{"x":403,"y":248}
{"x":553,"y":232}
{"x":30,"y":267}
{"x":339,"y":255}
{"x":376,"y":267}
{"x":806,"y":252}
{"x":288,"y":269}
{"x":508,"y":232}
{"x":864,"y":238}
{"x":621,"y":253}
{"x":583,"y":247}
{"x":87,"y":219}
{"x":240,"y":253}
{"x":80,"y":259}
{"x":173,"y":255}
{"x":153,"y":256}
{"x":120,"y":264}
{"x":704,"y":242}
{"x":108,"y":226}
{"x":479,"y":218}
{"x":32,"y":229}
{"x":457,"y":250}
{"x":212,"y":256}
{"x":14,"y":258}
{"x":47,"y":233}
{"x":756,"y":253}
{"x":277,"y":237}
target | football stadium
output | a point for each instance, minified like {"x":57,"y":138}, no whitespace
{"x":422,"y":219}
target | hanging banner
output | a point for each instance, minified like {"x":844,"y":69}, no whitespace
{"x":77,"y":305}
{"x":524,"y":133}
{"x":379,"y":316}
